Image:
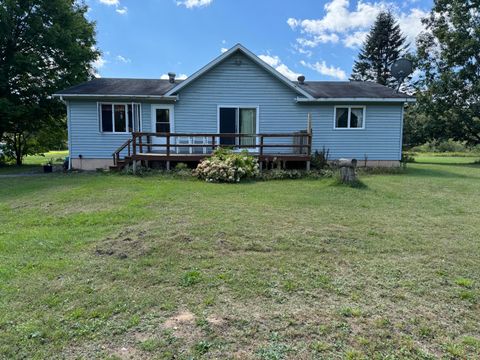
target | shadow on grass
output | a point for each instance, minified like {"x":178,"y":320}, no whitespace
{"x":357,"y":184}
{"x":22,"y":169}
{"x":437,"y":173}
{"x":469,"y":164}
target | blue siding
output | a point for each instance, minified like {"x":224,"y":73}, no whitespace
{"x":380,"y":140}
{"x":86,"y":138}
{"x":250,"y":85}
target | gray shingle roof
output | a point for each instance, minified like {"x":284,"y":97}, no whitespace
{"x":109,"y":86}
{"x":158,"y":87}
{"x":349,"y":89}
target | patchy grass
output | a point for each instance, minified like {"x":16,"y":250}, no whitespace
{"x":108,"y":266}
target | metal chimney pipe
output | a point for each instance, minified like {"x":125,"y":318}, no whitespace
{"x":171,"y":77}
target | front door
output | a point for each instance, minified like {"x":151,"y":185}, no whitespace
{"x":162,"y":122}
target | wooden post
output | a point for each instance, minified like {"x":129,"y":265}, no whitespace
{"x":140,"y":142}
{"x":213,"y":143}
{"x":168,"y":144}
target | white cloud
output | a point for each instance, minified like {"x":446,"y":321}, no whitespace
{"x":190,"y":4}
{"x":122,"y":11}
{"x":355,"y":40}
{"x":411,"y":24}
{"x":123,"y":59}
{"x":179,"y":77}
{"x":119,"y":10}
{"x":222,"y":50}
{"x":324,"y":69}
{"x":276,"y":63}
{"x":99,"y":63}
{"x":110,"y":2}
{"x":341,"y":23}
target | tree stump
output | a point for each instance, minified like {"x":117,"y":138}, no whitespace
{"x":347,"y":168}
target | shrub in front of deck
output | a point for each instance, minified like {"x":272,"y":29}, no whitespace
{"x":227,"y":166}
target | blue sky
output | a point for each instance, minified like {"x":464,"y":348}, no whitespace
{"x":316,"y":38}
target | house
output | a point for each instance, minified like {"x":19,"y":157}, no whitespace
{"x":236,"y":100}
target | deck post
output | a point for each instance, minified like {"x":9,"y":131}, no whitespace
{"x":134,"y":166}
{"x":167,"y":165}
{"x":308,"y":165}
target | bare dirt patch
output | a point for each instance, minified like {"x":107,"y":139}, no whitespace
{"x":183,"y":318}
{"x":129,"y":243}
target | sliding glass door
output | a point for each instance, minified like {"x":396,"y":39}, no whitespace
{"x":238,"y":120}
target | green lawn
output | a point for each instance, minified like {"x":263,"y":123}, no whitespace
{"x":33,"y":163}
{"x":111,"y":266}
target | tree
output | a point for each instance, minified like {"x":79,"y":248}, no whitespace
{"x":45,"y":45}
{"x":382,"y":47}
{"x":449,"y":55}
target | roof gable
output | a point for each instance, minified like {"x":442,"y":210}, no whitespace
{"x":251,"y":56}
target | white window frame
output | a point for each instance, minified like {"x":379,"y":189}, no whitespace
{"x":349,"y":107}
{"x":237,"y":119}
{"x":125,"y":104}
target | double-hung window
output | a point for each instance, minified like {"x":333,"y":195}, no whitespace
{"x":349,"y":117}
{"x":119,"y":118}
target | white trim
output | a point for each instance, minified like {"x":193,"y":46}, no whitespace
{"x":109,"y":96}
{"x":349,"y":107}
{"x":69,"y":136}
{"x":238,"y":107}
{"x":252,"y":57}
{"x":401,"y":133}
{"x":360,"y":99}
{"x":171,"y":109}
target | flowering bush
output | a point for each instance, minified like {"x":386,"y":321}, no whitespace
{"x":226,"y":166}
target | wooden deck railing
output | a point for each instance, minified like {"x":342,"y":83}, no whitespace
{"x":116,"y":154}
{"x":142,"y":140}
{"x":143,"y":143}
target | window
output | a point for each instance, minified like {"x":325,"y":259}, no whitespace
{"x":349,"y":117}
{"x":119,"y":118}
{"x":162,"y":120}
{"x":238,"y":120}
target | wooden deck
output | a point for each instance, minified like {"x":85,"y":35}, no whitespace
{"x":150,"y":147}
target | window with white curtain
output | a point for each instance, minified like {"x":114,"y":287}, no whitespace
{"x":349,"y":117}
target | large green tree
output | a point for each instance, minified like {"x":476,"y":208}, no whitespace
{"x":449,"y":55}
{"x":45,"y":45}
{"x":383,"y":45}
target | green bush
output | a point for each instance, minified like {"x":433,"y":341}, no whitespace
{"x":227,"y":166}
{"x":279,"y":174}
{"x":443,"y":146}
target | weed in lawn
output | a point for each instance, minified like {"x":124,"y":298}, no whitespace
{"x":191,"y":277}
{"x":202,"y":347}
{"x":467,"y":295}
{"x":348,"y":311}
{"x":467,"y":283}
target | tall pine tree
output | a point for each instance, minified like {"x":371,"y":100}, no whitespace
{"x":384,"y":44}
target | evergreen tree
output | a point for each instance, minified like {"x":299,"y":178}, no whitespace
{"x":383,"y":46}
